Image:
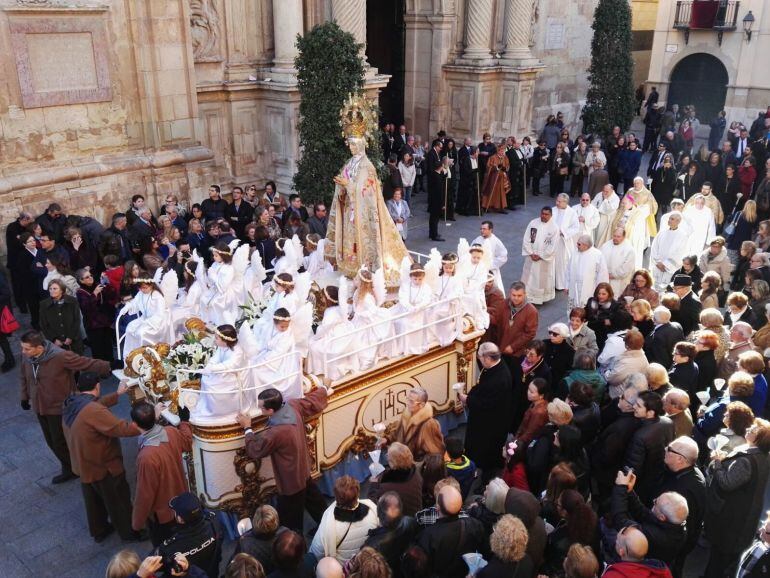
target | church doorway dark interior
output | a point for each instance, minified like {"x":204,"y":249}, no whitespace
{"x":701,"y":80}
{"x":385,"y":41}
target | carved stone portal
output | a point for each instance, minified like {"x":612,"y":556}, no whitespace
{"x":204,"y":25}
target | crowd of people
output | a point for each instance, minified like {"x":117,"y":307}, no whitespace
{"x":634,"y":434}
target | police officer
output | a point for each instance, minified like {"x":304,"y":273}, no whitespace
{"x":195,"y":537}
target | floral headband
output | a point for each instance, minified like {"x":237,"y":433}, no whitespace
{"x":224,"y":337}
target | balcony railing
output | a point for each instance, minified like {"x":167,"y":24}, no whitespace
{"x":717,"y":15}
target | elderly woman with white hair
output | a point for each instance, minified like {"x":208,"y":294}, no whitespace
{"x":489,"y":509}
{"x":559,"y":354}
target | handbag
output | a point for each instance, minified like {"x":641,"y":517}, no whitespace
{"x":8,"y":323}
{"x":563,"y":171}
{"x":729,"y":229}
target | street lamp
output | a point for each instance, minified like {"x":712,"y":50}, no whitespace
{"x":748,"y":24}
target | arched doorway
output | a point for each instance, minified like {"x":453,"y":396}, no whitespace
{"x":385,"y":43}
{"x":701,"y":80}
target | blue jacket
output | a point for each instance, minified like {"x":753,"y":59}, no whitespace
{"x":629,"y":162}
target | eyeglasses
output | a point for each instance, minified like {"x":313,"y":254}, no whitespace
{"x":673,"y":451}
{"x":554,"y":333}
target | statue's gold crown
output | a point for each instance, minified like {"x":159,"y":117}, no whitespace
{"x":357,"y":118}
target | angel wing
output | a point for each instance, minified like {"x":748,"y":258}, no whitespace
{"x":302,"y":327}
{"x":290,"y":252}
{"x":157,"y":276}
{"x":247,"y":341}
{"x":432,"y":269}
{"x":302,"y":283}
{"x":299,"y":252}
{"x":233,"y":245}
{"x":378,"y":286}
{"x":464,"y":254}
{"x":200,"y":272}
{"x":406,"y":264}
{"x":343,"y":292}
{"x":240,"y":263}
{"x":169,"y":285}
{"x":258,"y":272}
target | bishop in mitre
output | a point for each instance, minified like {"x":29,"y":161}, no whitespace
{"x":667,"y":251}
{"x":587,"y":269}
{"x":621,"y":260}
{"x":360,"y":231}
{"x":539,"y":250}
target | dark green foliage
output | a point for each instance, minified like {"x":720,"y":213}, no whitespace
{"x":610,"y":99}
{"x":328,"y":69}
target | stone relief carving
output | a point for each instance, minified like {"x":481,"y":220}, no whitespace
{"x":533,"y":22}
{"x":204,"y":24}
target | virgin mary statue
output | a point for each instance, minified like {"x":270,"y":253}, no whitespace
{"x":360,"y":230}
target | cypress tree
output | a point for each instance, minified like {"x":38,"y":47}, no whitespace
{"x":328,"y":69}
{"x":610,"y":99}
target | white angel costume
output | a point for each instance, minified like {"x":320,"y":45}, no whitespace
{"x":154,"y":323}
{"x":224,"y":372}
{"x":703,"y":228}
{"x":569,"y":227}
{"x":274,"y":366}
{"x":188,"y":301}
{"x":497,"y":252}
{"x":280,"y":299}
{"x":375,"y":328}
{"x":253,"y":278}
{"x":292,"y":257}
{"x":474,"y":279}
{"x":315,"y":264}
{"x":413,"y":299}
{"x":333,"y":337}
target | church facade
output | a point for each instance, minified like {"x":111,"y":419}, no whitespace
{"x":104,"y":99}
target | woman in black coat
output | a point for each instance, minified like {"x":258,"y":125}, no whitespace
{"x":735,"y":496}
{"x":599,"y":311}
{"x":60,"y":318}
{"x":559,"y":354}
{"x":664,"y":183}
{"x":684,"y":373}
{"x":509,"y":551}
{"x":586,"y":415}
{"x":705,"y":346}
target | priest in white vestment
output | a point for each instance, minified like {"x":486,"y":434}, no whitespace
{"x":646,"y":202}
{"x":667,"y":251}
{"x":587,"y":269}
{"x":569,"y":227}
{"x":677,"y":207}
{"x":701,"y":219}
{"x":588,"y":216}
{"x":711,"y":202}
{"x":607,"y":203}
{"x":494,"y":247}
{"x":632,"y":219}
{"x":621,"y":260}
{"x":539,"y":247}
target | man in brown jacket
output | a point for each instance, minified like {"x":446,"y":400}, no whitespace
{"x":517,"y":325}
{"x":93,"y":433}
{"x":284,"y":441}
{"x":47,"y":378}
{"x":160,"y":475}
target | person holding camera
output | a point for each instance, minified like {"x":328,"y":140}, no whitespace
{"x":195,"y":537}
{"x":97,"y":305}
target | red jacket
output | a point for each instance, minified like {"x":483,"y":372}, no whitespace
{"x":644,"y":569}
{"x":747,"y":176}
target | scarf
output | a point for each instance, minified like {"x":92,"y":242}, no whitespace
{"x":153,"y":437}
{"x":73,"y":405}
{"x":49,"y":351}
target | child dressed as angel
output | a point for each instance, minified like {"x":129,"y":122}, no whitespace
{"x":474,"y":277}
{"x":154,"y":323}
{"x":446,"y":315}
{"x":223,"y":377}
{"x":334,"y":336}
{"x":374,"y":325}
{"x":414,"y":296}
{"x":314,"y":262}
{"x":222,"y":297}
{"x":283,"y":296}
{"x":276,"y":367}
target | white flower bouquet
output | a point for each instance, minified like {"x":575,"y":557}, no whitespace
{"x":254,"y":308}
{"x":189,"y":353}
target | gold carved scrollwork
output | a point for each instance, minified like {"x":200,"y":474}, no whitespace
{"x":311,"y":432}
{"x":363,"y":443}
{"x":253,"y":494}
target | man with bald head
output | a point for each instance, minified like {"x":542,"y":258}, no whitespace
{"x":684,"y":478}
{"x":451,"y":536}
{"x":586,"y":269}
{"x":662,"y":525}
{"x":329,"y":567}
{"x":632,"y":547}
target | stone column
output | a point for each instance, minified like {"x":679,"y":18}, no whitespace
{"x":478,"y":29}
{"x":351,"y":16}
{"x":518,"y":22}
{"x":287,"y":24}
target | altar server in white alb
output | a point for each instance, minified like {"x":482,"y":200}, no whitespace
{"x":334,"y":336}
{"x":495,"y":248}
{"x":621,"y":260}
{"x":447,"y":293}
{"x":668,"y":250}
{"x":607,"y":203}
{"x":677,"y":207}
{"x":588,"y":216}
{"x":586,"y":270}
{"x":223,"y":379}
{"x":414,"y":296}
{"x":538,"y":249}
{"x":565,"y":218}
